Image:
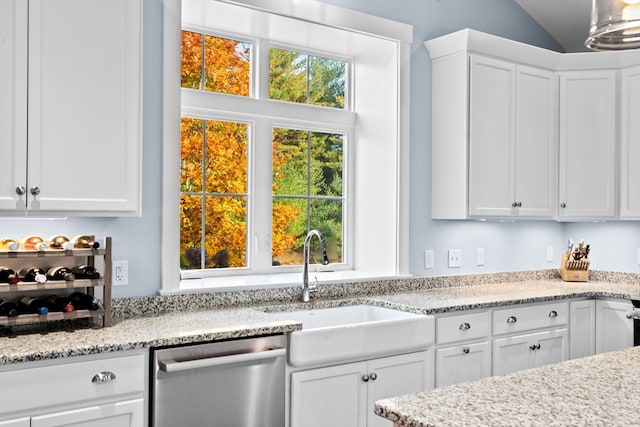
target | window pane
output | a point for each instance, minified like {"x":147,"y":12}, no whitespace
{"x":326,"y":82}
{"x":326,"y":164}
{"x":226,"y":67}
{"x":226,"y":157}
{"x":213,"y":186}
{"x":226,"y":231}
{"x":307,"y":192}
{"x":287,"y":76}
{"x":306,"y":79}
{"x":191,"y":232}
{"x":326,"y":217}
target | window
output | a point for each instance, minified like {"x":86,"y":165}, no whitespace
{"x":273,"y":140}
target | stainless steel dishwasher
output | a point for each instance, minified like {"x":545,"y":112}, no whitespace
{"x":238,"y":383}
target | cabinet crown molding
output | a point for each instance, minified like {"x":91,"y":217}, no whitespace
{"x":473,"y":41}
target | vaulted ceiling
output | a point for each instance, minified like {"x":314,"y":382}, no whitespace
{"x":566,"y":20}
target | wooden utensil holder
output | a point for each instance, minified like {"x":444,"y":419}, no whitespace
{"x":572,"y":270}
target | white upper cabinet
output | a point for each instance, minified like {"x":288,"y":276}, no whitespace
{"x":512,"y":143}
{"x":630,"y":143}
{"x":522,"y":132}
{"x":74,"y":132}
{"x":587,"y":144}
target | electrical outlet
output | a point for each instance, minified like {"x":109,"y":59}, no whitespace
{"x":455,"y":258}
{"x":428,"y":258}
{"x":480,"y":256}
{"x":120,"y":273}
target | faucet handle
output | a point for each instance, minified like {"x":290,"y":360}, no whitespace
{"x":314,"y":286}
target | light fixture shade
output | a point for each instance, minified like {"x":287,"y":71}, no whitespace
{"x":615,"y":25}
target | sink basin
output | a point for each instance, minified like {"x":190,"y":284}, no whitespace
{"x":358,"y":332}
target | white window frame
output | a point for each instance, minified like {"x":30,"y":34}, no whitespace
{"x":377,"y":240}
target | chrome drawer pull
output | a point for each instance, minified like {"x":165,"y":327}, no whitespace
{"x":553,"y":314}
{"x":465,"y":326}
{"x":465,"y":350}
{"x":103,"y":377}
{"x":512,"y":319}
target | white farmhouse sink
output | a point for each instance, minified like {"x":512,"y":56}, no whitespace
{"x":357,"y":332}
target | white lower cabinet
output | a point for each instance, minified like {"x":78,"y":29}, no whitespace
{"x":529,"y":336}
{"x":614,"y":325}
{"x":582,"y":328}
{"x":519,"y":352}
{"x":344,"y":395}
{"x":462,"y":363}
{"x":88,"y":391}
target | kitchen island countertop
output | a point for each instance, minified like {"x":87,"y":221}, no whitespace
{"x":598,"y":390}
{"x":185,"y":327}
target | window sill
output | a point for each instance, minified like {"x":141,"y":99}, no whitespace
{"x":283,"y":280}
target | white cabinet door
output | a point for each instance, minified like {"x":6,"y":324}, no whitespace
{"x":614,"y":325}
{"x":511,"y":354}
{"x":13,"y":101}
{"x":84,"y":127}
{"x":582,"y":328}
{"x":630,"y":144}
{"x":549,"y":347}
{"x":535,"y":143}
{"x":587,"y":181}
{"x":462,"y":363}
{"x":321,"y":397}
{"x":19,"y":422}
{"x":394,"y":376}
{"x":491,"y":132}
{"x":512,"y":140}
{"x":128,"y":413}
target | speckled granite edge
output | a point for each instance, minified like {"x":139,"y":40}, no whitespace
{"x":124,"y":308}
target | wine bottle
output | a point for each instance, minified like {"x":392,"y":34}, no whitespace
{"x":60,"y":273}
{"x":33,"y":274}
{"x":85,"y":272}
{"x":8,"y":308}
{"x":83,"y":301}
{"x":84,"y":241}
{"x":59,"y":303}
{"x":8,"y":275}
{"x":34,"y":305}
{"x":33,"y":243}
{"x":57,"y":242}
{"x":9,"y":244}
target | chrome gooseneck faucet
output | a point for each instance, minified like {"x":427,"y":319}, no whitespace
{"x":307,"y":289}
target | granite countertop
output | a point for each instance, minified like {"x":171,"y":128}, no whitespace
{"x":181,"y":327}
{"x":599,"y":390}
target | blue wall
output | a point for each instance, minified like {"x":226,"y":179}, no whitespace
{"x":509,"y":246}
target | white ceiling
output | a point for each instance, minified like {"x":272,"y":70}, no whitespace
{"x":566,"y":20}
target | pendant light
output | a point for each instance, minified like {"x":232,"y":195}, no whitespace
{"x":615,"y":25}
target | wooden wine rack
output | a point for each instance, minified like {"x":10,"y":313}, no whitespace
{"x":89,"y":285}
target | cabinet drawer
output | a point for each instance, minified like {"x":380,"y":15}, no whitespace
{"x":69,"y":382}
{"x":463,"y":327}
{"x":521,"y":319}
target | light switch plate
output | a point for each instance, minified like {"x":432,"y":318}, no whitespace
{"x":480,"y":256}
{"x":428,"y":258}
{"x":549,"y":253}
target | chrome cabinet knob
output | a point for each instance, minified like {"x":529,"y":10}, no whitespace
{"x":553,"y":314}
{"x":20,"y":190}
{"x":465,"y":350}
{"x":365,"y":378}
{"x":629,"y":315}
{"x":512,"y":319}
{"x":373,"y":376}
{"x":465,"y":326}
{"x":563,"y":205}
{"x":34,"y":191}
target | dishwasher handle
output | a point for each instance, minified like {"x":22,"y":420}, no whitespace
{"x":175,"y":366}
